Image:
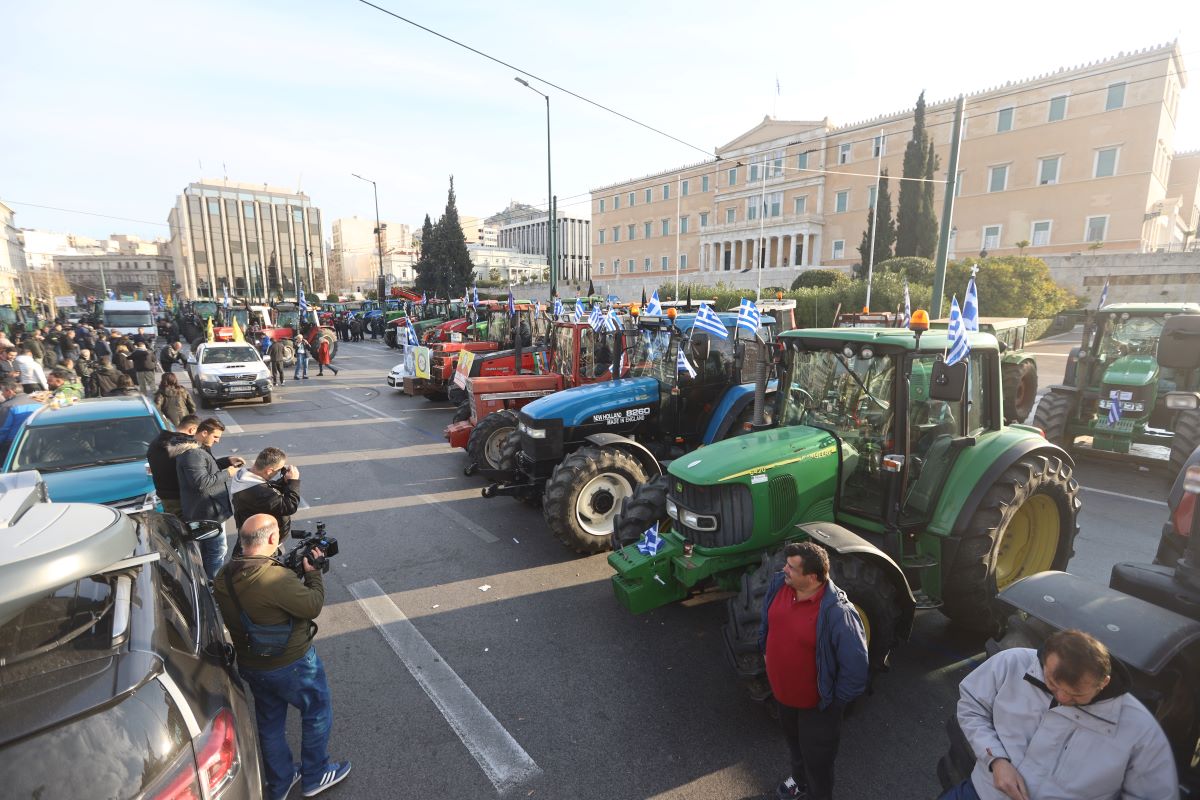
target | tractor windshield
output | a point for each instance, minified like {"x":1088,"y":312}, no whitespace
{"x":286,"y":319}
{"x":1128,"y":335}
{"x":849,"y":394}
{"x":564,"y":350}
{"x":651,"y":354}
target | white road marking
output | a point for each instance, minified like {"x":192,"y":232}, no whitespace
{"x":1126,"y":496}
{"x":231,"y":425}
{"x":461,"y":518}
{"x":369,"y":409}
{"x":502,"y":759}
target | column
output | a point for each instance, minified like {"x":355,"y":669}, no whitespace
{"x":816,"y":250}
{"x":778,"y":251}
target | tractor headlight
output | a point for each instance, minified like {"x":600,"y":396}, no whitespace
{"x":672,"y":509}
{"x":1183,"y":401}
{"x":699,"y":522}
{"x":532,"y":433}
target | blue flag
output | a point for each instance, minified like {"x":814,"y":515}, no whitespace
{"x":512,"y":304}
{"x":596,"y":318}
{"x":1114,"y":408}
{"x":683,"y":365}
{"x":956,"y":333}
{"x":748,"y":316}
{"x":226,"y":301}
{"x":424,"y":299}
{"x":654,"y":307}
{"x":651,"y":542}
{"x":970,"y":309}
{"x":707,"y":320}
{"x":612,"y":321}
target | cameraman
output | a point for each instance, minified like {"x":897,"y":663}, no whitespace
{"x":269,"y":487}
{"x":257,"y":588}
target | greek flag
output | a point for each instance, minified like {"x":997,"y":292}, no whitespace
{"x":907,"y":306}
{"x":112,"y":295}
{"x":1103,"y":294}
{"x":596,"y":318}
{"x":612,"y":322}
{"x":424,"y":299}
{"x":226,"y":301}
{"x":466,"y":297}
{"x":579,"y":309}
{"x":410,"y":335}
{"x":654,"y":307}
{"x":651,"y":542}
{"x":1114,"y":408}
{"x":558,"y":309}
{"x":683,"y":365}
{"x":970,"y":309}
{"x":621,"y":364}
{"x":475,"y":296}
{"x":957,"y":334}
{"x":748,"y":316}
{"x":707,"y":320}
{"x":301,"y":301}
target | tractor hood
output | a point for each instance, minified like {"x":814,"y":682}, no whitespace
{"x":574,"y":406}
{"x":1137,"y":370}
{"x":753,"y":454}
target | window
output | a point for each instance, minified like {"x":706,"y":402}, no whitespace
{"x":649,"y":195}
{"x":991,"y":237}
{"x":878,"y":145}
{"x":248,"y":209}
{"x":630,"y":265}
{"x":998,"y":178}
{"x":647,"y":230}
{"x":632,"y":232}
{"x":1058,"y":108}
{"x":601,"y":205}
{"x":646,"y":265}
{"x":1106,"y":163}
{"x":958,"y":183}
{"x":616,"y":201}
{"x":1096,"y":229}
{"x":839,"y":248}
{"x":683,"y":260}
{"x":841,"y":201}
{"x":1004,"y":120}
{"x":1048,"y":170}
{"x":1039,"y":233}
{"x":601,"y":235}
{"x":733,"y":176}
{"x":214,"y":207}
{"x":666,"y":263}
{"x":703,"y":219}
{"x":802,"y":205}
{"x":704,"y":183}
{"x":870,"y":197}
{"x":683,"y":225}
{"x":751,"y":208}
{"x":683,"y":189}
{"x":601,"y":269}
{"x":753,"y":172}
{"x":616,"y":234}
{"x":1116,"y":97}
{"x":666,"y":191}
{"x":844,"y":153}
{"x":730,"y":216}
{"x":632,"y":196}
{"x":802,"y":160}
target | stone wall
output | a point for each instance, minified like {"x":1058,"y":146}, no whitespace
{"x":1132,"y":277}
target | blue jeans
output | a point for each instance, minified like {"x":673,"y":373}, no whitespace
{"x":964,"y":791}
{"x":301,"y":684}
{"x":301,"y":366}
{"x":213,"y":551}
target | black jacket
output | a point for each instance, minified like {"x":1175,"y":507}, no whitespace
{"x":252,"y":495}
{"x":143,"y":360}
{"x":168,"y":358}
{"x":102,"y":381}
{"x":161,"y":455}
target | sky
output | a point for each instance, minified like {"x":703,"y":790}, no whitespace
{"x":113,"y":108}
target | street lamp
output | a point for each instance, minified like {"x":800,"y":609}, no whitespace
{"x":551,"y":214}
{"x":378,"y":236}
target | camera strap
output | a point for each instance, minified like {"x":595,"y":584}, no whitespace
{"x":263,"y":641}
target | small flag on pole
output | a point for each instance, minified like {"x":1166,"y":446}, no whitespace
{"x":653,"y":306}
{"x":957,"y":335}
{"x":558,"y":308}
{"x":683,"y":365}
{"x":748,"y":316}
{"x":475,"y":296}
{"x":651,"y":542}
{"x":410,"y":335}
{"x":1103,"y":294}
{"x":907,"y":306}
{"x":707,"y":320}
{"x":301,"y":301}
{"x":596,"y":318}
{"x":512,"y":304}
{"x":226,"y":301}
{"x":970,"y":309}
{"x":424,"y":299}
{"x":579,"y":310}
{"x":1114,"y":407}
{"x":612,"y":321}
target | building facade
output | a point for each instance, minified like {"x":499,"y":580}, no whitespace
{"x":1076,"y":160}
{"x":138,"y":276}
{"x":506,"y":264}
{"x":355,"y":254}
{"x":248,"y":239}
{"x":12,"y":257}
{"x":523,"y":228}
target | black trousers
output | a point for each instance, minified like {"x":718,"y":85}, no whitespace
{"x":276,"y":371}
{"x":812,"y":737}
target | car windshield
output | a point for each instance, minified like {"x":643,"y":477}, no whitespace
{"x":1125,"y":335}
{"x":128,"y":319}
{"x":54,"y":448}
{"x":832,"y":390}
{"x":227,"y":355}
{"x":653,"y":354}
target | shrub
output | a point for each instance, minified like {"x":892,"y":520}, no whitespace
{"x":819,"y":277}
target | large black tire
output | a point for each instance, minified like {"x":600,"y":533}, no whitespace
{"x":1052,"y":415}
{"x":456,"y":395}
{"x":508,"y":463}
{"x":647,"y":505}
{"x":462,"y":413}
{"x":864,"y":583}
{"x":266,"y":399}
{"x":488,"y":437}
{"x":1187,"y":439}
{"x":289,"y":353}
{"x":1026,"y":523}
{"x":203,"y":402}
{"x":1020,"y":384}
{"x":584,"y":494}
{"x":389,"y":338}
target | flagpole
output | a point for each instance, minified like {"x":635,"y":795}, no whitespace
{"x":678,"y":200}
{"x":762,"y":221}
{"x":874,"y":223}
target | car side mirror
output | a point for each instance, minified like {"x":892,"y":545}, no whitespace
{"x":947,"y":381}
{"x":204,"y":529}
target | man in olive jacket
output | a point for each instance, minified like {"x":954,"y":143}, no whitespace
{"x":259,"y":587}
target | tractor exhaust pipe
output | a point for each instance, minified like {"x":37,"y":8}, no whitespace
{"x":760,"y":383}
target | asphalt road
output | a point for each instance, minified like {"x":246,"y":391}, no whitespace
{"x":471,"y":655}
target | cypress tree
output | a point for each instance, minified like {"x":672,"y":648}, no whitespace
{"x":908,"y":213}
{"x":426,"y":279}
{"x":927,"y":232}
{"x":885,"y":232}
{"x":456,"y":270}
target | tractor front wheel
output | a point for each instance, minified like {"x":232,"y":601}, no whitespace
{"x":646,"y":506}
{"x":508,"y":463}
{"x":585,"y":492}
{"x":462,"y":413}
{"x":1187,"y":439}
{"x":489,"y":436}
{"x":456,"y":395}
{"x":1026,"y":523}
{"x":1020,"y":384}
{"x":1052,"y":415}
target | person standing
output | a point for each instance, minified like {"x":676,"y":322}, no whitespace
{"x":104,"y":378}
{"x":161,"y":454}
{"x":17,"y":406}
{"x":268,"y":486}
{"x":172,"y":400}
{"x":142,"y":360}
{"x":64,"y":386}
{"x":301,"y":347}
{"x":84,"y":367}
{"x":277,"y":355}
{"x":1059,"y":723}
{"x":816,"y":657}
{"x":32,"y":376}
{"x":123,"y":363}
{"x":171,"y":355}
{"x":204,"y":488}
{"x":254,"y":591}
{"x":323,"y":357}
{"x":8,"y":367}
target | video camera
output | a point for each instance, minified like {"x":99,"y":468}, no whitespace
{"x":294,"y":560}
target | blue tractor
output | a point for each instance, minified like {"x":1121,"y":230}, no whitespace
{"x":581,"y":452}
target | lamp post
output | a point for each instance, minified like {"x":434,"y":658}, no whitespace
{"x":551,"y":212}
{"x":378,"y":237}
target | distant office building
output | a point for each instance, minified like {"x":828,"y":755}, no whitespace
{"x":476,"y":230}
{"x":251,"y":240}
{"x":355,"y":253}
{"x":12,"y":257}
{"x":523,"y":228}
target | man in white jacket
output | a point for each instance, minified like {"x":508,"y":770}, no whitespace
{"x":33,"y":377}
{"x":1060,"y":724}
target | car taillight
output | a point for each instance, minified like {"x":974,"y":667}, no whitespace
{"x":217,"y":753}
{"x":180,"y":782}
{"x":1182,"y":518}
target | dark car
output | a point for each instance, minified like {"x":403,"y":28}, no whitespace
{"x":116,"y":679}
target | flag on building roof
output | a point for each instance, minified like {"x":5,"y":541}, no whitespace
{"x":579,"y":309}
{"x":653,"y":306}
{"x":970,"y":309}
{"x":748,"y":316}
{"x":957,"y":335}
{"x":1114,"y":407}
{"x":683,"y":365}
{"x":651,"y":542}
{"x":907,"y":305}
{"x":708,"y":321}
{"x":1103,"y":294}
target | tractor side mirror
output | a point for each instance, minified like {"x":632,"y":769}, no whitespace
{"x":1179,"y":345}
{"x":948,"y":381}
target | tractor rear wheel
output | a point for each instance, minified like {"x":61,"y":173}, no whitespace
{"x":1187,"y":439}
{"x":1020,"y":384}
{"x":646,"y":506}
{"x":585,"y":492}
{"x":462,"y":413}
{"x":289,"y":353}
{"x":1025,"y":523}
{"x":1052,"y":415}
{"x":508,"y":463}
{"x":489,"y":436}
{"x":870,"y":591}
{"x":389,"y":338}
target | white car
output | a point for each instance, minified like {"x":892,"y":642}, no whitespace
{"x":402,"y":370}
{"x":226,"y":371}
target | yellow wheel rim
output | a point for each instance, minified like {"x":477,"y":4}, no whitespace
{"x":1029,"y":541}
{"x":866,"y":621}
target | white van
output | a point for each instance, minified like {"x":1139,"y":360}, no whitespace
{"x":126,"y":316}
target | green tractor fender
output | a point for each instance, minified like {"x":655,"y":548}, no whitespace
{"x":847,"y":543}
{"x":635,"y":449}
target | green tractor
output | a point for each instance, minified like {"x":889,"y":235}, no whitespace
{"x":1117,"y":363}
{"x":900,"y":466}
{"x":1018,"y":370}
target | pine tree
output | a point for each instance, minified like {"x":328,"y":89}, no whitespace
{"x":425,"y":269}
{"x":908,"y":212}
{"x":927,"y":232}
{"x":457,"y":271}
